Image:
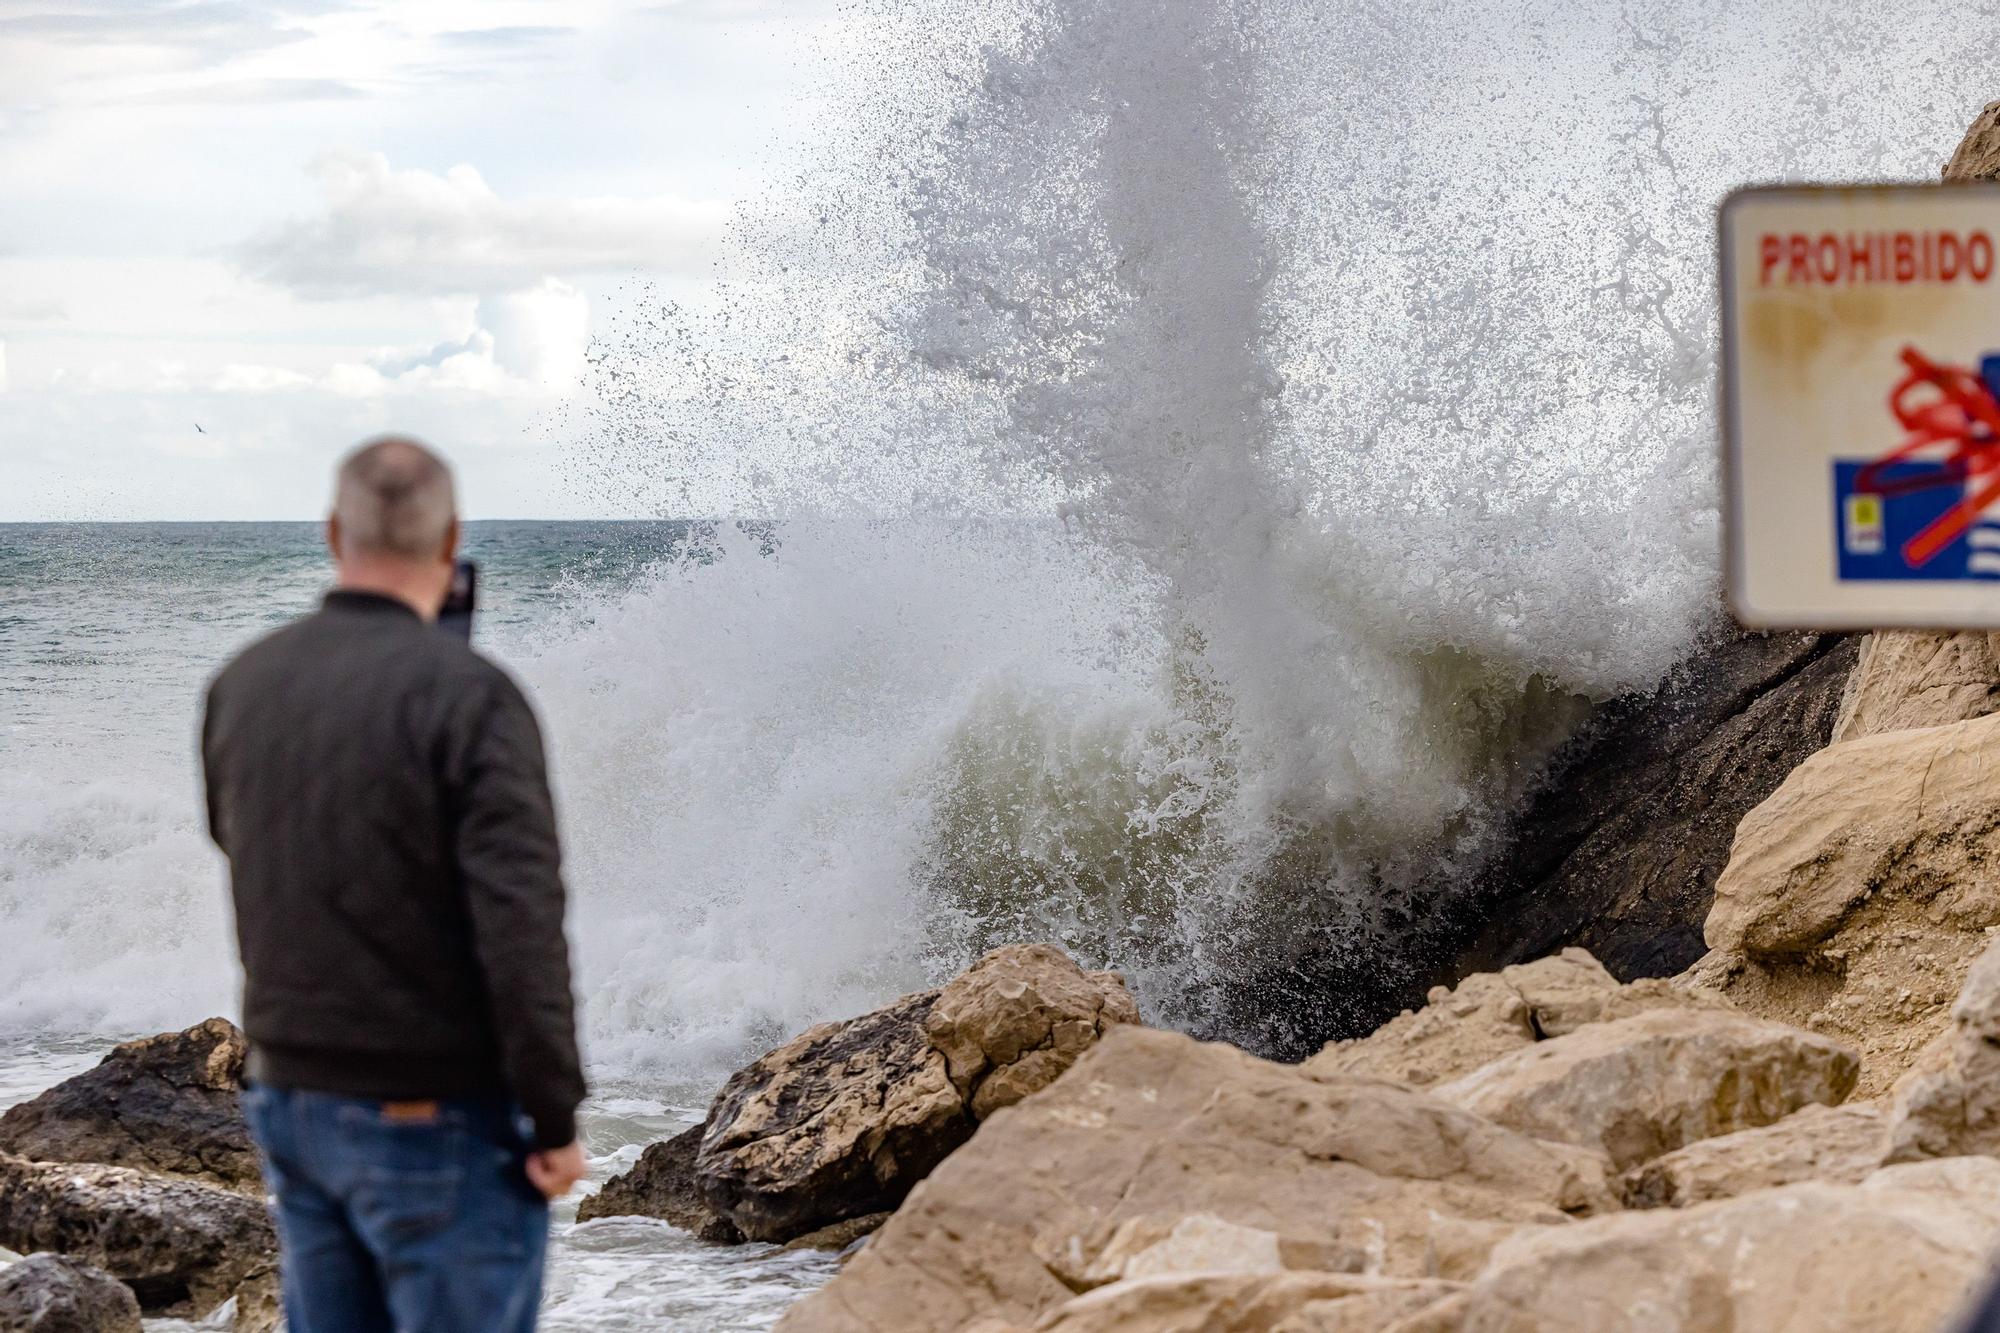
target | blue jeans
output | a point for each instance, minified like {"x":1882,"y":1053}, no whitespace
{"x":401,"y":1217}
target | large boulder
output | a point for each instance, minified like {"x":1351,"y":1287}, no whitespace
{"x":1907,"y":679}
{"x":841,"y":1121}
{"x":661,"y":1184}
{"x":1071,"y":1188}
{"x":168,"y":1103}
{"x":182,"y":1247}
{"x":1838,"y":1144}
{"x":1859,"y":893}
{"x":1894,"y":1254}
{"x":1646,"y":1085}
{"x":1491,"y":1014}
{"x":1019,"y":1017}
{"x":48,"y":1293}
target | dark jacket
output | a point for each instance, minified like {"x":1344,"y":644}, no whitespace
{"x":379,"y":790}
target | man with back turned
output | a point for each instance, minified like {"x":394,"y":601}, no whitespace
{"x":379,"y":790}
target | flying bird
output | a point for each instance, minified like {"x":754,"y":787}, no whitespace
{"x":198,"y":430}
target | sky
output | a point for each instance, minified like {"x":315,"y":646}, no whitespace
{"x":237,"y":236}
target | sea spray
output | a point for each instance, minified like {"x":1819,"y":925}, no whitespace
{"x":1356,"y":359}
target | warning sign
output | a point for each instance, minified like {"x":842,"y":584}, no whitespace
{"x":1861,"y":406}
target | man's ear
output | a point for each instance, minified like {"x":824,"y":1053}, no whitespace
{"x":333,"y":536}
{"x":451,"y":535}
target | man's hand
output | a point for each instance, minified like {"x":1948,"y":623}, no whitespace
{"x":554,"y":1170}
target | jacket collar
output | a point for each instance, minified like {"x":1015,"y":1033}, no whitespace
{"x":375,"y":603}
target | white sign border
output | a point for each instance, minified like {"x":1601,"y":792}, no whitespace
{"x":1731,"y":513}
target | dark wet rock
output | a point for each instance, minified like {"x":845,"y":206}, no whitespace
{"x":661,"y":1184}
{"x":1620,"y":849}
{"x":168,"y":1103}
{"x":841,"y":1236}
{"x":840,"y":1121}
{"x":843,"y":1120}
{"x":48,"y":1293}
{"x":1616,"y":849}
{"x":182,"y":1247}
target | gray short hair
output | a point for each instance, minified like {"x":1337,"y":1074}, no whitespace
{"x":393,"y":496}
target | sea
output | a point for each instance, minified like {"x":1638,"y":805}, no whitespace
{"x":115,"y":906}
{"x":1183,"y":468}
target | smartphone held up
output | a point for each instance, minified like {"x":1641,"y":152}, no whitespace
{"x":455,"y":617}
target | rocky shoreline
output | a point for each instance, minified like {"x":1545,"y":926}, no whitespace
{"x":1800,"y":1130}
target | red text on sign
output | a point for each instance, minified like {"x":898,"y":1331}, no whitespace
{"x":1828,"y":259}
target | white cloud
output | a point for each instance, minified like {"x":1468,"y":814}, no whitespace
{"x":414,"y":231}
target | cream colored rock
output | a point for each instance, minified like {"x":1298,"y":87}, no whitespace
{"x":1241,"y":1303}
{"x":1491,"y":1014}
{"x":1373,"y":1311}
{"x":1834,"y":1144}
{"x":1894,"y":1254}
{"x":1955,"y":1109}
{"x":1646,"y":1085}
{"x":1903,"y":815}
{"x":1017,"y":1018}
{"x":1907,"y":679}
{"x":1858,"y":894}
{"x":1202,"y":1243}
{"x":1150,"y":1128}
{"x":1978,"y":155}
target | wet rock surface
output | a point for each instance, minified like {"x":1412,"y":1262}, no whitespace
{"x":182,"y":1247}
{"x":1619,"y":851}
{"x":661,"y":1184}
{"x":47,"y":1293}
{"x":169,"y":1103}
{"x":842,"y":1121}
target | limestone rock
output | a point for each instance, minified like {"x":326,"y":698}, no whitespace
{"x":1907,"y":679}
{"x":1860,"y":892}
{"x":47,"y":1293}
{"x":1841,"y":1145}
{"x":1202,"y":1243}
{"x":1646,"y":1085}
{"x":1370,"y":1311}
{"x":1978,"y":155}
{"x":1150,"y":1128}
{"x":1197,"y":1302}
{"x":1492,"y":1014}
{"x":1894,"y":1254}
{"x":1019,"y":1017}
{"x":168,"y":1103}
{"x":1902,"y":815}
{"x":182,"y":1247}
{"x":1955,"y":1110}
{"x":661,"y":1184}
{"x":841,"y":1121}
